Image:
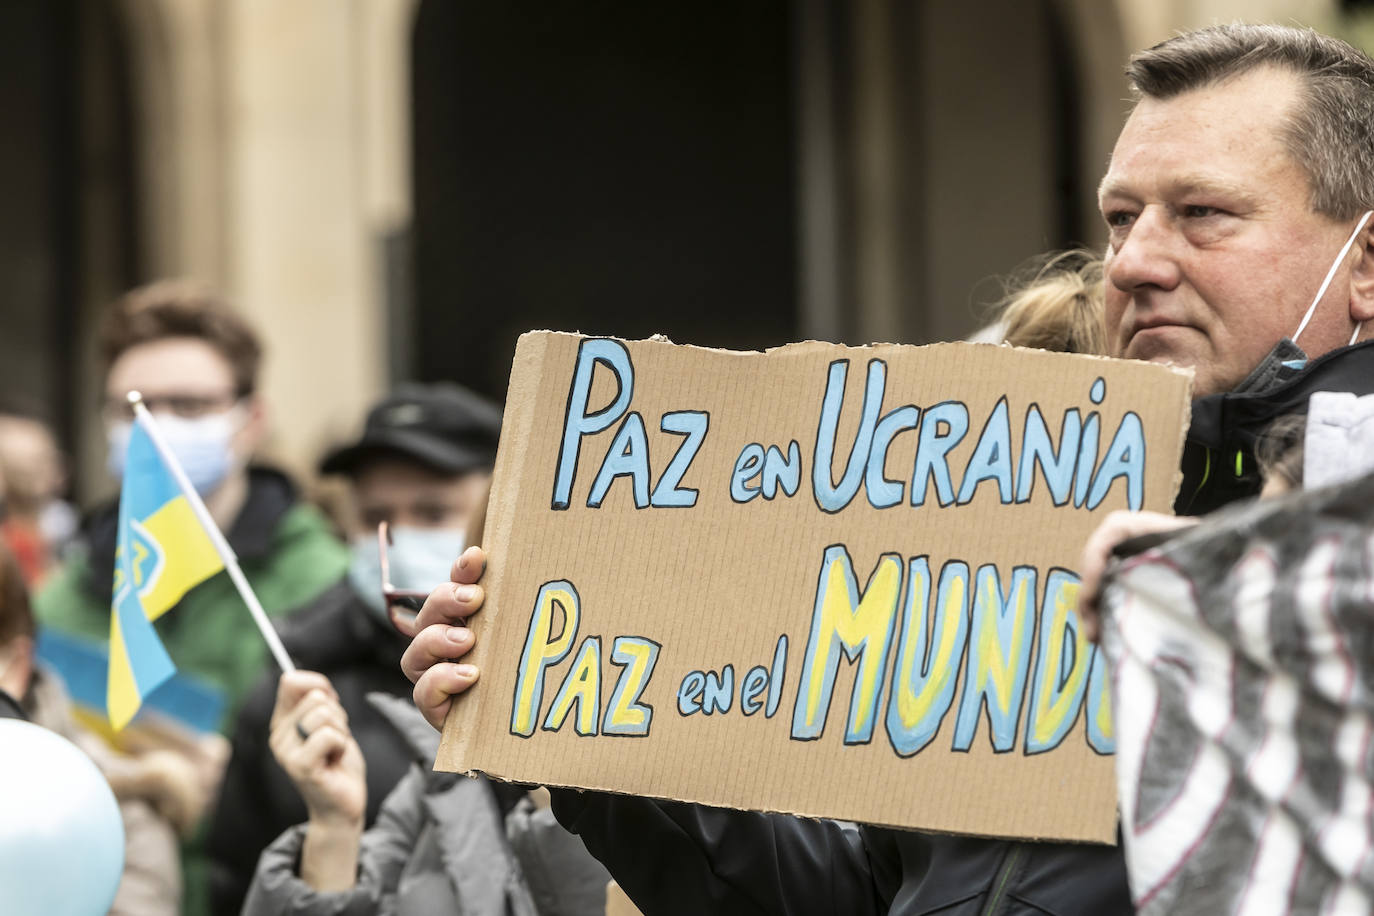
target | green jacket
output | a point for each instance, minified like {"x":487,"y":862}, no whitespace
{"x":286,"y":551}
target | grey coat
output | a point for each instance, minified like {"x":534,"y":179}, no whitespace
{"x":439,"y":846}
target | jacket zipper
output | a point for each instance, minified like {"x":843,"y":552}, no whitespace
{"x":1206,"y":475}
{"x":1003,"y":876}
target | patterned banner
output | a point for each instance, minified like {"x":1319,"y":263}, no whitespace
{"x":1242,"y":653}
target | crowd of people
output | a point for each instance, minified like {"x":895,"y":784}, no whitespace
{"x":1237,"y":203}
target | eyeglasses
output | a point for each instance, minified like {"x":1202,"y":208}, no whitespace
{"x":402,"y":604}
{"x":186,"y":406}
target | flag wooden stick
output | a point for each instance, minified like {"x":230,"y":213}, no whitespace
{"x":226,"y":553}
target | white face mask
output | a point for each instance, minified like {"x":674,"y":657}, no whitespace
{"x":203,"y":446}
{"x":420,"y":560}
{"x":1330,"y":275}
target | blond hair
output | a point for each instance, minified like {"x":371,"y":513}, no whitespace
{"x":1057,"y":306}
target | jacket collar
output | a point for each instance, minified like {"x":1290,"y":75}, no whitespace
{"x":1219,"y":454}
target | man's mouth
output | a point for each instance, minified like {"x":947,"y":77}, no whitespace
{"x":1153,"y":324}
{"x":1156,"y":327}
{"x":1155,"y":338}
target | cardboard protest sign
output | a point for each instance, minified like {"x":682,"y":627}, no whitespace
{"x":821,"y":580}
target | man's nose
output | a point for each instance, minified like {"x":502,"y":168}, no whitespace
{"x":1148,"y":255}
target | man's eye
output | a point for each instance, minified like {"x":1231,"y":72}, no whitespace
{"x":433,"y":514}
{"x":1119,"y":219}
{"x":1199,"y":211}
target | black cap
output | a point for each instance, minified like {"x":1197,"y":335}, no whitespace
{"x":444,"y":427}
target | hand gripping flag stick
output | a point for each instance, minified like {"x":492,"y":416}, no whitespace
{"x":202,"y":514}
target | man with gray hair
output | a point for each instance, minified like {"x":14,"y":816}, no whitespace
{"x":1246,"y":164}
{"x":1237,"y":202}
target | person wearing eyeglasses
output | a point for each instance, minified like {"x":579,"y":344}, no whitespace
{"x":196,"y":364}
{"x":415,"y":477}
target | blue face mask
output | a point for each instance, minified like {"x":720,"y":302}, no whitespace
{"x":203,"y":447}
{"x":420,"y":559}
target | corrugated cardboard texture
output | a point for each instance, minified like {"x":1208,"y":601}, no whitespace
{"x":1007,"y":733}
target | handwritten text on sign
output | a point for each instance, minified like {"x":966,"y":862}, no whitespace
{"x":737,"y":542}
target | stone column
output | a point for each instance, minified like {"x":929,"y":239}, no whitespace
{"x":275,"y":160}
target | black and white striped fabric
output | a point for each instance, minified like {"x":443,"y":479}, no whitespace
{"x":1243,"y":660}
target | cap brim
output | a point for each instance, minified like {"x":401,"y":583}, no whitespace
{"x":435,"y":454}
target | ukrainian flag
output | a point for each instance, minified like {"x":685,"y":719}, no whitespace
{"x":162,"y":552}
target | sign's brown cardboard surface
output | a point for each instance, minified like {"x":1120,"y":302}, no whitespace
{"x":821,"y":580}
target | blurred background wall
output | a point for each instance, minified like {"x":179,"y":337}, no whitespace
{"x":395,"y":189}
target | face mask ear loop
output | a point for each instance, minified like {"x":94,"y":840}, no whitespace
{"x":1331,"y":274}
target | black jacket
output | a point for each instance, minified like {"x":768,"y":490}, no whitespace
{"x":676,"y":858}
{"x":339,"y":637}
{"x":1219,"y":457}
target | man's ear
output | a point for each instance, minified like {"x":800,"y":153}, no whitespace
{"x":1362,"y":277}
{"x":254,"y":431}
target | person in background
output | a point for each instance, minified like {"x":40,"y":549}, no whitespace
{"x":421,"y":465}
{"x":1059,"y":307}
{"x":196,"y":365}
{"x":34,"y":520}
{"x":158,"y":794}
{"x":442,"y":843}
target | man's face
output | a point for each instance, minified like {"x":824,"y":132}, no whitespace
{"x":404,"y":494}
{"x":30,"y":463}
{"x":1214,"y":252}
{"x":184,"y":376}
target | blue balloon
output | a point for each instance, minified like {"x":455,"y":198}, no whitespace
{"x":61,"y":836}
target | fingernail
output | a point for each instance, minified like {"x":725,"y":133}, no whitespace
{"x":465,"y":593}
{"x":463,"y":560}
{"x":467,"y":670}
{"x":458,"y":635}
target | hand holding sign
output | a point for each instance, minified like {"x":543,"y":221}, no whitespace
{"x":1118,"y":527}
{"x":430,"y":661}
